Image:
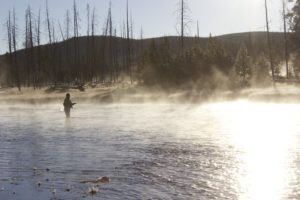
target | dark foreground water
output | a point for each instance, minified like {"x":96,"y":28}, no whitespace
{"x":235,"y":150}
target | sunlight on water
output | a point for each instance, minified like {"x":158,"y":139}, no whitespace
{"x":232,"y":150}
{"x":265,"y":134}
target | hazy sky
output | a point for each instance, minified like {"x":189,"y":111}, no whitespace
{"x":157,"y":17}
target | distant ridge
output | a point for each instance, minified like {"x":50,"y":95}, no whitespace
{"x":231,"y":41}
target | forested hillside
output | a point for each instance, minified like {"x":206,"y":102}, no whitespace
{"x":102,"y":59}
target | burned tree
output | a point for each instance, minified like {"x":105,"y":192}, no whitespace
{"x":29,"y":49}
{"x":48,"y":23}
{"x":184,"y":20}
{"x":39,"y":53}
{"x":9,"y":41}
{"x":285,"y":39}
{"x":14,"y":78}
{"x":109,"y":32}
{"x":129,"y":62}
{"x":15,"y":58}
{"x":76,"y":42}
{"x":93,"y":45}
{"x":67,"y":25}
{"x":269,"y":42}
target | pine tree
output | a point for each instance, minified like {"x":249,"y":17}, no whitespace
{"x":243,"y":66}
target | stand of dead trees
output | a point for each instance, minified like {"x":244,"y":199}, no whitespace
{"x":114,"y":55}
{"x":74,"y":59}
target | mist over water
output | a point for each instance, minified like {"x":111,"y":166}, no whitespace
{"x":233,"y":150}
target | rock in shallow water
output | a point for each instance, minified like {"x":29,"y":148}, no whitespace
{"x":98,"y":180}
{"x":93,"y":190}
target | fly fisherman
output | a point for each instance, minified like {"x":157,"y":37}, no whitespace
{"x":68,"y":105}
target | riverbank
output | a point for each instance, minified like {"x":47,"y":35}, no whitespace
{"x":106,"y":94}
{"x":139,"y":94}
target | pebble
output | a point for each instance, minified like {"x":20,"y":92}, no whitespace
{"x":68,"y":189}
{"x":93,"y":190}
{"x":54,"y":191}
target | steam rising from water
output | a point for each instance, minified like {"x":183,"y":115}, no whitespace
{"x":235,"y":150}
{"x":221,"y":150}
{"x":115,"y":94}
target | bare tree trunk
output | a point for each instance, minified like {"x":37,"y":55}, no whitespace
{"x":111,"y":67}
{"x":55,"y":65}
{"x":75,"y":14}
{"x":68,"y":60}
{"x":32,"y":66}
{"x":124,"y":48}
{"x":93,"y":53}
{"x":88,"y":57}
{"x":198,"y":34}
{"x":49,"y":47}
{"x":48,"y":22}
{"x":132,"y":44}
{"x":116,"y":56}
{"x":27,"y":46}
{"x":182,"y":24}
{"x":14,"y":43}
{"x":76,"y":45}
{"x":38,"y":40}
{"x":184,"y":20}
{"x":128,"y":45}
{"x":269,"y":43}
{"x":10,"y":80}
{"x":67,"y":24}
{"x":88,"y":19}
{"x":285,"y":40}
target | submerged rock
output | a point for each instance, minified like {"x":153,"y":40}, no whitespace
{"x":104,"y":179}
{"x":93,"y":190}
{"x":68,"y":189}
{"x":54,"y":191}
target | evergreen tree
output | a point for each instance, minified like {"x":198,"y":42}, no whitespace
{"x":243,"y":66}
{"x":216,"y":55}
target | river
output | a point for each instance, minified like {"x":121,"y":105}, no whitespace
{"x":224,"y":150}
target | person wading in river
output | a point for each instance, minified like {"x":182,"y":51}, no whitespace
{"x":68,"y":105}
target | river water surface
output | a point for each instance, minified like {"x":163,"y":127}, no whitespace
{"x":233,"y":150}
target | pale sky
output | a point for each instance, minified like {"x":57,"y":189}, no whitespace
{"x":157,"y":17}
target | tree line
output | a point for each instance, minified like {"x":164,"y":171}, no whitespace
{"x":212,"y":67}
{"x":109,"y":57}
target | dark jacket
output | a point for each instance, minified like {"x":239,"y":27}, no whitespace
{"x":68,"y":104}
